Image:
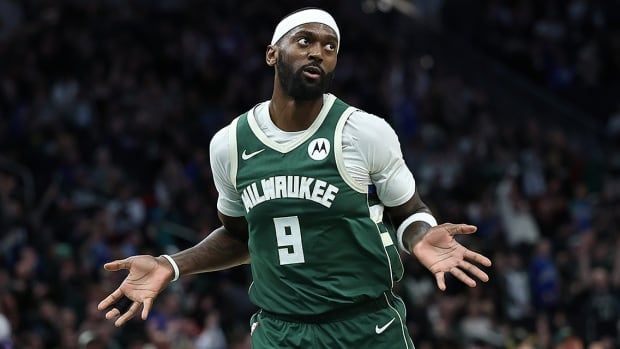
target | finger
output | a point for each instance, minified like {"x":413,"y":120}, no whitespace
{"x":111,"y":299}
{"x":117,"y":265}
{"x":148,"y":302}
{"x":478,"y":258}
{"x":459,"y":274}
{"x":128,"y":315}
{"x":112,"y":314}
{"x":461,"y":229}
{"x":474,"y":270}
{"x":441,"y":280}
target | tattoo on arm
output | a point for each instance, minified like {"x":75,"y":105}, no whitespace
{"x":217,"y":251}
{"x":224,"y":248}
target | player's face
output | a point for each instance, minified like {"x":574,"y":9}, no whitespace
{"x":306,"y":61}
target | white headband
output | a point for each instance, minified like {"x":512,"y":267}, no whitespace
{"x":312,"y":15}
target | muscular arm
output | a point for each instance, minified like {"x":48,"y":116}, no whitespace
{"x":415,"y":231}
{"x":436,"y":248}
{"x":376,"y":144}
{"x":224,"y":248}
{"x":227,"y":246}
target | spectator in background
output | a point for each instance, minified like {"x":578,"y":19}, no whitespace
{"x":477,"y":326}
{"x":602,"y":309}
{"x":5,"y":333}
{"x":110,"y":106}
{"x":517,"y":297}
{"x":570,"y":47}
{"x":518,"y":222}
{"x":544,"y":277}
{"x":212,"y":336}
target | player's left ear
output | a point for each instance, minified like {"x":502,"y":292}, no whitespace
{"x":271,"y":55}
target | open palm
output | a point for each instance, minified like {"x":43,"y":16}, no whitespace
{"x":441,"y":253}
{"x":148,"y":276}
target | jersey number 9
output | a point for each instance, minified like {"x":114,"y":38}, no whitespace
{"x":288,"y":235}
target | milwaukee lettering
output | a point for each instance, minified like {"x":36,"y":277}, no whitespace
{"x":280,"y":187}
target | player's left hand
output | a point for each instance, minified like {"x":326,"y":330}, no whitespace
{"x":441,"y":253}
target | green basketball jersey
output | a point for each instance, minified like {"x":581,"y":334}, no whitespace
{"x":316,"y":239}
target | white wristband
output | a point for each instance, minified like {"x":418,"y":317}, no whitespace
{"x":175,"y":267}
{"x":416,"y":217}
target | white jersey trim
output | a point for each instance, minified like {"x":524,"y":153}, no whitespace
{"x":346,"y":176}
{"x":289,"y":146}
{"x":376,"y":213}
{"x":387,"y":255}
{"x":400,"y":319}
{"x":232,"y":151}
{"x":371,"y":155}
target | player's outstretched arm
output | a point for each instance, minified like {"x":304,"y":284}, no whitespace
{"x":148,"y":275}
{"x":224,"y":248}
{"x":435,"y":247}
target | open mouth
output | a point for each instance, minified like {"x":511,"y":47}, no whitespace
{"x":312,"y":72}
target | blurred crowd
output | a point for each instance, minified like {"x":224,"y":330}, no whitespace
{"x":106,"y":112}
{"x":570,"y":46}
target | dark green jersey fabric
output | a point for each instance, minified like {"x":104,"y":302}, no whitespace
{"x":313,"y":244}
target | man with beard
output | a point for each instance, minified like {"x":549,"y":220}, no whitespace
{"x":304,"y":181}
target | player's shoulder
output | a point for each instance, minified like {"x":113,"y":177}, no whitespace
{"x":364,"y":125}
{"x":221,"y":136}
{"x":218,"y":147}
{"x":360,"y":115}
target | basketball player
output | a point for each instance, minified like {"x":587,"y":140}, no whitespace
{"x":309,"y":190}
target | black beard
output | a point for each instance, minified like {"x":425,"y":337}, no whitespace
{"x":297,"y":87}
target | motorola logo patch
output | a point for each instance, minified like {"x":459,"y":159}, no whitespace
{"x":319,"y":148}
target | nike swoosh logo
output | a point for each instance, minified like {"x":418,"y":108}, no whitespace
{"x":380,"y":330}
{"x":245,"y":156}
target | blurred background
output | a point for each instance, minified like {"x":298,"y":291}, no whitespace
{"x":508,"y":112}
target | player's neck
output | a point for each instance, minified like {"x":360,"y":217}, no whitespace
{"x":291,"y":115}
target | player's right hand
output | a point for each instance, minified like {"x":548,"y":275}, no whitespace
{"x":148,"y":276}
